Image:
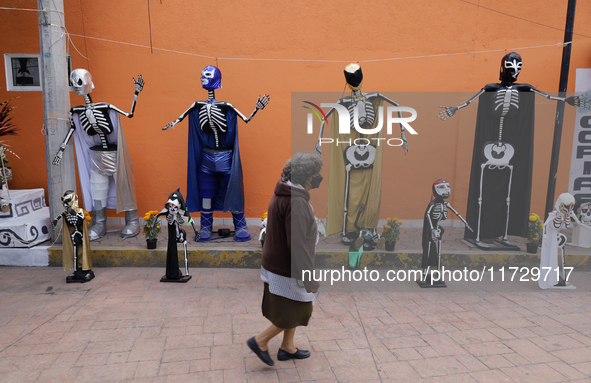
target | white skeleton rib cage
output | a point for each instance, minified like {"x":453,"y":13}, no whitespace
{"x":212,"y":117}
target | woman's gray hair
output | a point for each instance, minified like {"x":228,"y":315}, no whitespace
{"x":300,"y":167}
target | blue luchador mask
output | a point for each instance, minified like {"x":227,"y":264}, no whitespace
{"x":211,"y":78}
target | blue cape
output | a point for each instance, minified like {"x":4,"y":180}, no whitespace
{"x":230,"y":199}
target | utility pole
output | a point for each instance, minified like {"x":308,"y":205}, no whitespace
{"x":568,"y":38}
{"x":56,"y":102}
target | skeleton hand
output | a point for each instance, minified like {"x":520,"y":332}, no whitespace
{"x":59,"y":155}
{"x":447,"y":113}
{"x":579,"y":102}
{"x":262,"y":102}
{"x":169,"y":125}
{"x":139,"y":84}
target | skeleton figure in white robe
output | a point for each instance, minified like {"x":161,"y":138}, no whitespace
{"x":553,"y":275}
{"x":102,"y":155}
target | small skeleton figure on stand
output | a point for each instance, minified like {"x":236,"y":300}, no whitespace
{"x":101,"y":154}
{"x":502,"y":157}
{"x":551,"y":275}
{"x":433,"y":232}
{"x":362,"y":164}
{"x":75,"y":241}
{"x":175,"y":212}
{"x":214,"y":174}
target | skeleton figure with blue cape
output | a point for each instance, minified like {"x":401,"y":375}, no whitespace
{"x":214,"y":171}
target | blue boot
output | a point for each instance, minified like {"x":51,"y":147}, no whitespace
{"x":206,"y":226}
{"x":240,"y":229}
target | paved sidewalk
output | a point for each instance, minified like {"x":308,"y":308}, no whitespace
{"x":127,"y":326}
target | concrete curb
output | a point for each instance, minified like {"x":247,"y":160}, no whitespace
{"x":251,"y":259}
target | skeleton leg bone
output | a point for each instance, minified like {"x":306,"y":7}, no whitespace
{"x":346,"y":208}
{"x":186,"y":264}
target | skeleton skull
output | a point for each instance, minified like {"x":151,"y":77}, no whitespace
{"x":441,"y":189}
{"x":565,"y":204}
{"x":211,"y":78}
{"x":173,"y":208}
{"x":81,"y":81}
{"x":585,"y":213}
{"x":510,"y":67}
{"x":70,"y":200}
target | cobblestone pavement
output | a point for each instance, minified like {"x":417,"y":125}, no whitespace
{"x":127,"y":326}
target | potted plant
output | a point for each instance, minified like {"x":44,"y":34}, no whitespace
{"x":151,"y":229}
{"x":391,"y":232}
{"x":534,"y":233}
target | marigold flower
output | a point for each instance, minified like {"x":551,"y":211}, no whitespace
{"x":389,"y":219}
{"x":532,"y":218}
{"x":157,"y":227}
{"x":387,"y":228}
{"x":394,"y":219}
{"x":400,"y":223}
{"x":144,"y":230}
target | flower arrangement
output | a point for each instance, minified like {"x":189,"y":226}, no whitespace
{"x":392,"y":230}
{"x":150,"y":229}
{"x":534,"y":230}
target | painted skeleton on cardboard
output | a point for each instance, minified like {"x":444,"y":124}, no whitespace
{"x":583,"y":211}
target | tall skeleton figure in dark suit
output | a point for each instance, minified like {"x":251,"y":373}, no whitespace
{"x":101,"y":154}
{"x":502,"y":159}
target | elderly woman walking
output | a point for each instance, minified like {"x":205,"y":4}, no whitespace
{"x":288,"y":251}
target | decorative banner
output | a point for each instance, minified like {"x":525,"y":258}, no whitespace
{"x":579,"y":184}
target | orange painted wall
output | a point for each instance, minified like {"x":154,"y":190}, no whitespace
{"x":236,"y":32}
